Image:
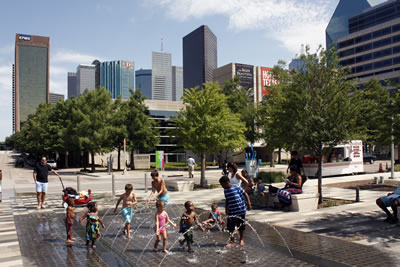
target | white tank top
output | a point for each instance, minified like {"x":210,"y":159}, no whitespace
{"x":235,"y":180}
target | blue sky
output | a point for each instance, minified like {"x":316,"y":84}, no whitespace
{"x":258,"y":32}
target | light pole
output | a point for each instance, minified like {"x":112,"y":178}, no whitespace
{"x":392,"y":144}
{"x":125,"y":170}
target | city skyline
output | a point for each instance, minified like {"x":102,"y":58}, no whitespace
{"x":259,"y":38}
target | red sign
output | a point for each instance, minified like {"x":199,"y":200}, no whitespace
{"x":127,"y":64}
{"x":267,"y":80}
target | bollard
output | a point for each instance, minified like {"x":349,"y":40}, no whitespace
{"x":78,"y":183}
{"x":381,"y":179}
{"x":376,"y":180}
{"x":113,"y":186}
{"x":146,"y":175}
{"x":357,"y":194}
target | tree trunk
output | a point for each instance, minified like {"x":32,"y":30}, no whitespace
{"x":203,"y":181}
{"x":272,"y":159}
{"x":119,"y":158}
{"x":320,"y":179}
{"x":131,"y":163}
{"x":93,"y":167}
{"x":66,"y":160}
{"x":279,"y":156}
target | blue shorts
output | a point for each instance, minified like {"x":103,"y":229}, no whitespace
{"x":127,"y":214}
{"x":387,"y":201}
{"x":41,"y":187}
{"x":164,"y":198}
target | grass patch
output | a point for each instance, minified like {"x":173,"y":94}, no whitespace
{"x":331,"y":202}
{"x":182,"y":165}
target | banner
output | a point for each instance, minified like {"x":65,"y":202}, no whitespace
{"x":267,"y":80}
{"x":245,"y":74}
{"x":160,"y":159}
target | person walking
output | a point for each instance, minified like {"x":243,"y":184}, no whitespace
{"x":40,"y":176}
{"x":191,"y":164}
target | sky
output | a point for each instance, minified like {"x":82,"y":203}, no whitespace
{"x":256,"y":32}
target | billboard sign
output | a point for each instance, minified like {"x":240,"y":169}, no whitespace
{"x":245,"y":74}
{"x":267,"y":80}
{"x":24,"y":37}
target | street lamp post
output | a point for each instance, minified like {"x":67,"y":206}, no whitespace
{"x":392,"y":144}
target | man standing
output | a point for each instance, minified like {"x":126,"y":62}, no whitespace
{"x":296,"y":161}
{"x":40,"y":174}
{"x":191,"y":165}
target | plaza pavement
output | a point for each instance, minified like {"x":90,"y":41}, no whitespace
{"x":358,"y":223}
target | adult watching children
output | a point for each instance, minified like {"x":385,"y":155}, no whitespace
{"x":40,"y":176}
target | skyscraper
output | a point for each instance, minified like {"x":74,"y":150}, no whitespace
{"x":161,"y":79}
{"x":31,"y":76}
{"x":97,"y":73}
{"x":72,"y":85}
{"x":118,"y":77}
{"x":85,"y":78}
{"x":338,"y":24}
{"x":54,"y":97}
{"x":143,"y":82}
{"x":199,"y":57}
{"x":177,"y":83}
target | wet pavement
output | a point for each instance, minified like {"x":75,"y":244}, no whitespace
{"x":41,"y":236}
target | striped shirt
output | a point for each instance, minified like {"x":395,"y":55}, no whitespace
{"x":234,"y":200}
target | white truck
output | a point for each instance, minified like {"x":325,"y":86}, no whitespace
{"x":345,"y":158}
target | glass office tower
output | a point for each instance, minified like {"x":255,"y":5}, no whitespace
{"x":161,"y":79}
{"x":338,"y":25}
{"x":118,"y":77}
{"x":143,"y":82}
{"x":199,"y":57}
{"x":31,"y":76}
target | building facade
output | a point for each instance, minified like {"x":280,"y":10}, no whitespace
{"x":118,"y":77}
{"x":54,"y":97}
{"x":177,"y":83}
{"x":199,"y":57}
{"x":143,"y":82}
{"x":72,"y":85}
{"x":85,"y":78}
{"x":372,"y":49}
{"x":297,"y":64}
{"x":96,"y":73}
{"x":31,"y":76}
{"x":338,"y":24}
{"x":161,"y":79}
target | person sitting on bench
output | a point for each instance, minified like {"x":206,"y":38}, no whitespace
{"x":391,"y":200}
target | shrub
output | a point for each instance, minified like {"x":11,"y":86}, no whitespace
{"x":271,"y":177}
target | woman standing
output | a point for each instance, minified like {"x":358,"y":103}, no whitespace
{"x":294,"y":184}
{"x":236,"y":177}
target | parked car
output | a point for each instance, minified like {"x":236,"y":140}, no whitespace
{"x":368,"y":157}
{"x":52,"y":163}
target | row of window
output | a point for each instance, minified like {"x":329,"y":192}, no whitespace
{"x":369,"y":36}
{"x":376,"y":65}
{"x":370,"y":56}
{"x":375,"y":17}
{"x":370,"y":46}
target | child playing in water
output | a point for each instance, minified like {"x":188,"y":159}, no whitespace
{"x":69,"y":220}
{"x":186,"y":225}
{"x":93,"y":223}
{"x":161,"y":222}
{"x":128,"y":200}
{"x":213,"y":218}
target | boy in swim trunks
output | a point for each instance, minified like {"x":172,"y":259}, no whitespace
{"x":186,"y":225}
{"x":158,"y":185}
{"x":391,"y":200}
{"x":128,"y":200}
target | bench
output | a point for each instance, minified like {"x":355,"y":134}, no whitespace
{"x":304,"y":202}
{"x":179,"y":185}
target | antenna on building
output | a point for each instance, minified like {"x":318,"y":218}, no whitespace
{"x":162,"y":45}
{"x":302,"y":49}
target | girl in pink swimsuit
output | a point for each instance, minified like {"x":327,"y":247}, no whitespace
{"x":161,"y":222}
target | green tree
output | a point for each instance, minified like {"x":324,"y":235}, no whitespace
{"x":317,"y":106}
{"x":142,"y":131}
{"x":242,"y":103}
{"x":207,"y":125}
{"x":374,"y":124}
{"x":119,"y":121}
{"x":91,"y":122}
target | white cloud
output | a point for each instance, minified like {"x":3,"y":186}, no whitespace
{"x":65,"y":56}
{"x":291,"y":22}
